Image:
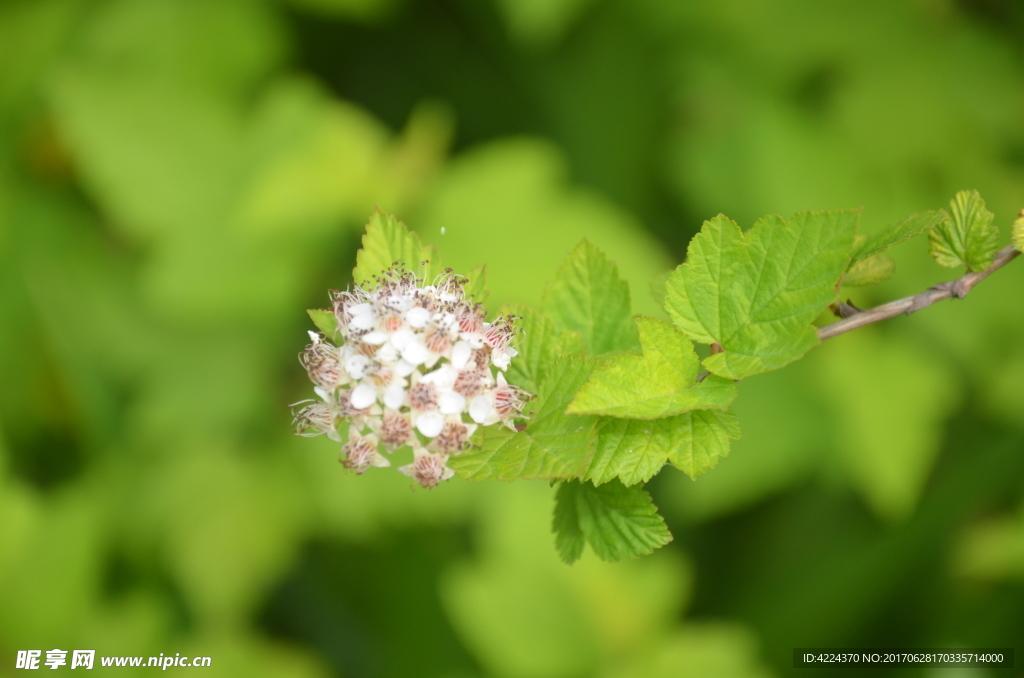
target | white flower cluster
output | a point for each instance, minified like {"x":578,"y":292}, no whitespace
{"x":414,"y":364}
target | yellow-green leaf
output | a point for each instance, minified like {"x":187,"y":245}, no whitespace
{"x":387,"y":241}
{"x":913,"y":225}
{"x":970,"y":239}
{"x":588,"y":296}
{"x":553,"y":445}
{"x":875,"y":269}
{"x":325,"y":322}
{"x":541,"y":344}
{"x":660,"y":383}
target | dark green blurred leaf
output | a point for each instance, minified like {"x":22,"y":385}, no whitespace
{"x":889,"y":398}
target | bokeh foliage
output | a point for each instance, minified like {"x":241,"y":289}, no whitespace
{"x":180,"y":179}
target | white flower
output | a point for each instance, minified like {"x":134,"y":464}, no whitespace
{"x":314,"y":420}
{"x":402,"y":338}
{"x":404,"y":368}
{"x":427,"y":469}
{"x":361,"y":317}
{"x":417,"y":317}
{"x":388,"y":354}
{"x":415,"y":369}
{"x":363,"y":396}
{"x":461,"y":353}
{"x":415,"y":353}
{"x":481,"y":409}
{"x":451,"y":403}
{"x":501,"y":359}
{"x":430,"y":423}
{"x":375,"y":338}
{"x":356,"y":365}
{"x":394,"y":396}
{"x":443,"y":377}
{"x":360,"y":453}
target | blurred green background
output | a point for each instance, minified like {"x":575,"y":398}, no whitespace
{"x":181,"y":179}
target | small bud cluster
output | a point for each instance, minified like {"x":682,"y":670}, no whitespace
{"x":414,"y":363}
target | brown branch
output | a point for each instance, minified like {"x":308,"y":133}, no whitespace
{"x":954,"y":288}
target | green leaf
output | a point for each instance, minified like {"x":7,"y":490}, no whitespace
{"x":540,"y":346}
{"x":888,"y":437}
{"x":553,"y":445}
{"x":913,"y":225}
{"x":660,"y":383}
{"x":476,"y":288}
{"x":569,"y":342}
{"x":757,"y":293}
{"x":970,"y":239}
{"x":701,"y":438}
{"x":618,"y":522}
{"x":875,"y":269}
{"x":635,"y":450}
{"x":569,"y":538}
{"x":1018,"y":232}
{"x":388,"y":241}
{"x":325,"y":322}
{"x":588,"y":296}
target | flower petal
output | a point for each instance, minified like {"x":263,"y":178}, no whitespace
{"x":363,"y":396}
{"x":430,"y":423}
{"x":480,"y":408}
{"x":451,"y":403}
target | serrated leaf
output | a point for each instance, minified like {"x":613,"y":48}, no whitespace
{"x":569,"y":539}
{"x":553,"y":445}
{"x":325,"y":322}
{"x":702,"y":438}
{"x":757,"y":293}
{"x":618,"y":522}
{"x":569,"y":342}
{"x":970,"y":239}
{"x":388,"y":241}
{"x":875,"y":269}
{"x":1018,"y":232}
{"x":588,"y":296}
{"x":660,"y":383}
{"x":635,"y":450}
{"x":913,"y":225}
{"x":476,"y":288}
{"x":540,"y":346}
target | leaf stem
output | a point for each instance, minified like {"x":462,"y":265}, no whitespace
{"x":953,"y":288}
